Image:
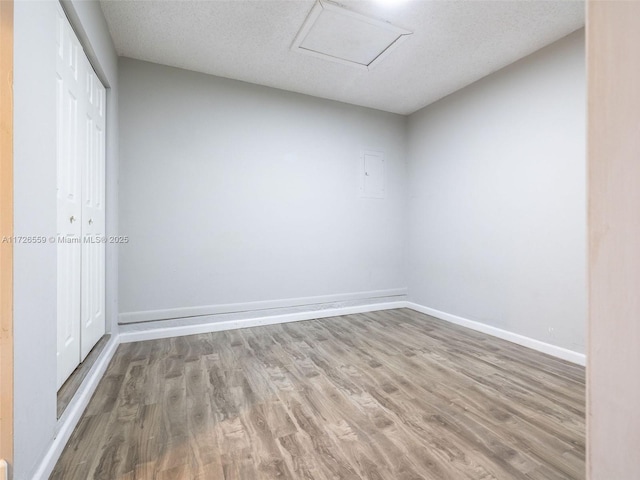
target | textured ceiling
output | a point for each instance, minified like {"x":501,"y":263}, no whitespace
{"x":454,"y":43}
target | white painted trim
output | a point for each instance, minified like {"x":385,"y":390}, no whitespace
{"x":213,"y":326}
{"x":69,"y":420}
{"x":559,"y":352}
{"x":206,"y":310}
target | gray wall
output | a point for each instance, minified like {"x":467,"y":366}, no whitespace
{"x":497,"y":199}
{"x":234,"y":193}
{"x":35,"y":214}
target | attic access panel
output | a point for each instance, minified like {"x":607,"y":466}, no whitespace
{"x":340,"y":35}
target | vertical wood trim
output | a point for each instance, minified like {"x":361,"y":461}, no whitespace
{"x":6,"y":230}
{"x":613,"y":68}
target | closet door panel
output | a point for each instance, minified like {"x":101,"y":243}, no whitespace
{"x":70,"y":111}
{"x":93,"y":215}
{"x":81,"y":99}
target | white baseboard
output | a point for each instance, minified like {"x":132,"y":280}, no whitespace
{"x":69,"y":420}
{"x":560,"y":352}
{"x":208,"y":326}
{"x":206,"y":310}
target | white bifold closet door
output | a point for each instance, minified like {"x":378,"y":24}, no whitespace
{"x":81,"y":202}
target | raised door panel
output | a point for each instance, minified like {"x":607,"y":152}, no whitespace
{"x":70,"y":111}
{"x":93,"y":214}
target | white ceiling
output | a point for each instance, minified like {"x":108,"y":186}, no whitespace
{"x":454,"y":43}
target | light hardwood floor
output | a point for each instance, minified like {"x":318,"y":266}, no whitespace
{"x":386,"y":395}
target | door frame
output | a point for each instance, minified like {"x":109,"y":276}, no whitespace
{"x":90,"y":96}
{"x":613,"y":165}
{"x":6,"y":230}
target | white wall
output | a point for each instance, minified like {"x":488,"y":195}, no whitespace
{"x":234,"y":193}
{"x":35,"y":214}
{"x":497,"y":199}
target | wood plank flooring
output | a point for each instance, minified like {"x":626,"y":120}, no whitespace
{"x":71,"y":386}
{"x":386,"y":395}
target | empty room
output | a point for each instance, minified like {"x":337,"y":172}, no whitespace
{"x":307,"y":239}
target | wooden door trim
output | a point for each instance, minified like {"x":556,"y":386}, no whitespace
{"x":613,"y":67}
{"x":6,"y":230}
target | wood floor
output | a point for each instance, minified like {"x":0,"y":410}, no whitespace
{"x":386,"y":395}
{"x":71,"y":386}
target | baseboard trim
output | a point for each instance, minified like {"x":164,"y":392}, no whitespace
{"x":213,"y":326}
{"x":207,"y":310}
{"x":559,"y":352}
{"x":70,"y":418}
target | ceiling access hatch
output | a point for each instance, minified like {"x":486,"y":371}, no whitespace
{"x":339,"y":35}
